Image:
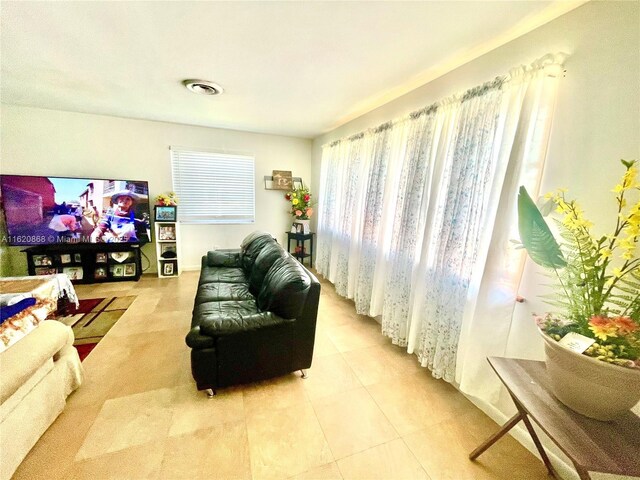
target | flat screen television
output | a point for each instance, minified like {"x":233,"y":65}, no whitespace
{"x":55,"y":210}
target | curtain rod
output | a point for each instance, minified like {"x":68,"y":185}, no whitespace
{"x":545,"y":62}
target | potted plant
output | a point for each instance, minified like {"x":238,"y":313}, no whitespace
{"x":592,"y":340}
{"x":300,"y":208}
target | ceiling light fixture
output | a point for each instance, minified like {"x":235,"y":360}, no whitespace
{"x":203,"y":87}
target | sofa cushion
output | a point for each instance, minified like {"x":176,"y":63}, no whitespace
{"x":216,"y":291}
{"x":252,"y":249}
{"x":222,"y":274}
{"x":265,"y":259}
{"x":223,"y":318}
{"x":285,"y":287}
{"x":223,"y":258}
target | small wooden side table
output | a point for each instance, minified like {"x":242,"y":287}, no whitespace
{"x":300,"y":238}
{"x":593,"y":446}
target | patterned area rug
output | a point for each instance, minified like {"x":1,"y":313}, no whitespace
{"x":93,"y":319}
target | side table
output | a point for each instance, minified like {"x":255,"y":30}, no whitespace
{"x":301,"y":251}
{"x":592,"y":445}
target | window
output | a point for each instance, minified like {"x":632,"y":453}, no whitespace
{"x":213,"y":187}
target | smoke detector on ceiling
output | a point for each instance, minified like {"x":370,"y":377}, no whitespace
{"x":203,"y":87}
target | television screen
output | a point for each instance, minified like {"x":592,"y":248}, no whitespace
{"x":50,"y":210}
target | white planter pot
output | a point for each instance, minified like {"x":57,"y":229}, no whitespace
{"x":306,"y":225}
{"x":589,"y":386}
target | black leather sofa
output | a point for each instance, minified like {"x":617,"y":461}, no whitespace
{"x":254,"y":315}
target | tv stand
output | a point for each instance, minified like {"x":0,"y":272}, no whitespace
{"x":87,"y":262}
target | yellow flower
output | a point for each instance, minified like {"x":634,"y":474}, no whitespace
{"x":617,"y":272}
{"x":295,"y":201}
{"x":605,"y":252}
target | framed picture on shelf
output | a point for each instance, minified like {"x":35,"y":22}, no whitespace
{"x":167,"y":232}
{"x":129,"y":269}
{"x":169,"y":268}
{"x":100,"y":272}
{"x":74,"y":273}
{"x":41,"y":261}
{"x":65,"y":258}
{"x":168,"y":250}
{"x":46,"y":271}
{"x":282,"y":180}
{"x":101,"y":257}
{"x":117,"y":270}
{"x":166,"y":213}
{"x":77,"y":258}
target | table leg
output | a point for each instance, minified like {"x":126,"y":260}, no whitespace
{"x":534,"y":437}
{"x":582,"y":473}
{"x":496,"y":436}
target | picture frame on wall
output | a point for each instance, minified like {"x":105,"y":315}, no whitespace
{"x":166,"y":213}
{"x":168,"y":250}
{"x":100,"y":272}
{"x":101,"y":257}
{"x":41,"y":261}
{"x":117,"y":270}
{"x":282,"y":180}
{"x":46,"y":271}
{"x":77,"y":258}
{"x":65,"y":258}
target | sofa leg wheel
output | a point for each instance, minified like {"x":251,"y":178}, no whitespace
{"x":303,"y":373}
{"x":210,"y":392}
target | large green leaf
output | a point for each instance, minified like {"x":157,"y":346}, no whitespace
{"x":535,"y":234}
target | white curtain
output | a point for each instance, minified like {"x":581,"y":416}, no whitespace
{"x":415,"y":218}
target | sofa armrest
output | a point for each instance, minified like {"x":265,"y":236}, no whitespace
{"x":224,"y":258}
{"x":22,"y":359}
{"x":196,"y":340}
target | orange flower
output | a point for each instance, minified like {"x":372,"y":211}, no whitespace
{"x":309,"y":212}
{"x":298,"y":213}
{"x":625,"y":325}
{"x":603,"y":327}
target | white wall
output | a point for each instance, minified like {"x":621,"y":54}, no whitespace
{"x":47,"y":142}
{"x":597,"y":121}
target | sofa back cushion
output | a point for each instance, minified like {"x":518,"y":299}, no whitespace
{"x":251,"y":247}
{"x":284,"y":289}
{"x":265,"y":259}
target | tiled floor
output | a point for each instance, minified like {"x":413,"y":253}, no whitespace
{"x":367,"y":410}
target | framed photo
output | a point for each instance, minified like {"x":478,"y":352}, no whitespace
{"x":117,"y":270}
{"x":166,"y":213}
{"x":100,"y":272}
{"x":46,"y":271}
{"x":168,"y":250}
{"x":65,"y":258}
{"x":169,"y":268}
{"x":77,"y":258}
{"x":298,"y":226}
{"x":101,"y":257}
{"x":74,"y":273}
{"x":129,"y":269}
{"x":41,"y":260}
{"x":167,"y":232}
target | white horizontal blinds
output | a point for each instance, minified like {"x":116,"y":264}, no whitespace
{"x":213,"y":187}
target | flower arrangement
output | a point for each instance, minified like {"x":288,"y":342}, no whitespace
{"x":167,"y":199}
{"x":597,"y":277}
{"x":300,"y":200}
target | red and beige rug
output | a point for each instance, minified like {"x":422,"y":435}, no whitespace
{"x":93,"y":319}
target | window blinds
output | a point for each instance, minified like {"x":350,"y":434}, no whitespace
{"x":213,"y":187}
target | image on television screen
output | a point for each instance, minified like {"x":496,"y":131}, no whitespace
{"x":50,"y":210}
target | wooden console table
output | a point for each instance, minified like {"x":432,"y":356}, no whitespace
{"x":592,"y":445}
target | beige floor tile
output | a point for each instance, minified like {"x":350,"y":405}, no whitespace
{"x":416,"y":401}
{"x":217,"y":453}
{"x":282,"y":392}
{"x":130,"y":324}
{"x":193,"y":410}
{"x":352,"y":422}
{"x":52,"y":457}
{"x":129,"y":421}
{"x":142,"y":462}
{"x":330,"y":471}
{"x":286,"y":442}
{"x":453,"y":462}
{"x":392,"y":460}
{"x":357,"y":334}
{"x":329,"y":375}
{"x":373,"y":364}
{"x":323,"y":345}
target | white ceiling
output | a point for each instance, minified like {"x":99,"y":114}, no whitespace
{"x":290,"y":68}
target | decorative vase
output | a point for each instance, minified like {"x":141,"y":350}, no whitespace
{"x":306,"y":228}
{"x":591,"y":387}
